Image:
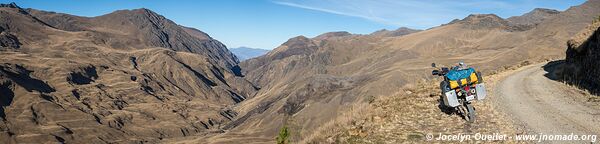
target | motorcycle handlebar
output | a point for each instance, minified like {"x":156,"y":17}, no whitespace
{"x":440,"y":72}
{"x":435,"y":72}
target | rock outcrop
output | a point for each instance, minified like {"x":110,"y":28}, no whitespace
{"x":8,"y":40}
{"x":583,"y":53}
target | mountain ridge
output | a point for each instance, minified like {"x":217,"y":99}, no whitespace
{"x":142,"y":27}
{"x":71,"y":79}
{"x":393,"y":33}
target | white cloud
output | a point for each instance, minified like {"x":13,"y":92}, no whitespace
{"x":411,"y":13}
{"x":373,"y":18}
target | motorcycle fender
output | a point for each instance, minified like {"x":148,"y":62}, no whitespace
{"x":451,"y":99}
{"x":481,"y":93}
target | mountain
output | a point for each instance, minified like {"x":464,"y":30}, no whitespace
{"x":530,"y":19}
{"x":398,"y":32}
{"x":524,"y":22}
{"x":139,"y":28}
{"x":483,"y":21}
{"x":131,"y":76}
{"x":244,"y":53}
{"x":307,"y":82}
{"x":333,"y":35}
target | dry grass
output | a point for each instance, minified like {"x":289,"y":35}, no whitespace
{"x":584,"y":34}
{"x":332,"y":129}
{"x":566,"y":77}
{"x":410,"y":114}
{"x":407,"y":117}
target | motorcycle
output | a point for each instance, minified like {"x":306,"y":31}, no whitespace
{"x":460,"y":88}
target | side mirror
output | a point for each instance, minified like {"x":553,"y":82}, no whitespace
{"x":432,"y":64}
{"x":435,"y":72}
{"x":445,"y":69}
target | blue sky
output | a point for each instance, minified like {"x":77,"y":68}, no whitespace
{"x":268,"y":23}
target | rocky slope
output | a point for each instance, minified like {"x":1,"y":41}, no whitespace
{"x":483,"y":21}
{"x":139,"y":28}
{"x":126,"y":77}
{"x":581,"y":65}
{"x":531,"y":19}
{"x":307,"y":82}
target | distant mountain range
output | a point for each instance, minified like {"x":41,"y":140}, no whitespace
{"x":398,"y":32}
{"x":244,"y":53}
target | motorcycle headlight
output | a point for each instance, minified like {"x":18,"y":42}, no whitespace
{"x":473,"y":91}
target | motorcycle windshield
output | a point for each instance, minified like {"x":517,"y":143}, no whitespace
{"x":459,"y":74}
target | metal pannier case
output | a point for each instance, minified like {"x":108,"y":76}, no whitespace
{"x":480,"y":88}
{"x":451,"y":99}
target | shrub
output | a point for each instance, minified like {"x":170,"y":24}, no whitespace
{"x":283,"y":136}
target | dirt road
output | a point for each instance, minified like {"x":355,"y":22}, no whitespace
{"x":542,"y":105}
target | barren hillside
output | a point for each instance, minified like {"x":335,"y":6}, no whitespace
{"x":309,"y":81}
{"x":126,"y":77}
{"x":134,"y":76}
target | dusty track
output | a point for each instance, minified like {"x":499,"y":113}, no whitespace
{"x":542,"y":105}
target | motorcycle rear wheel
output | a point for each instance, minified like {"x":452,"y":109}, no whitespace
{"x":470,"y":112}
{"x":467,"y":111}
